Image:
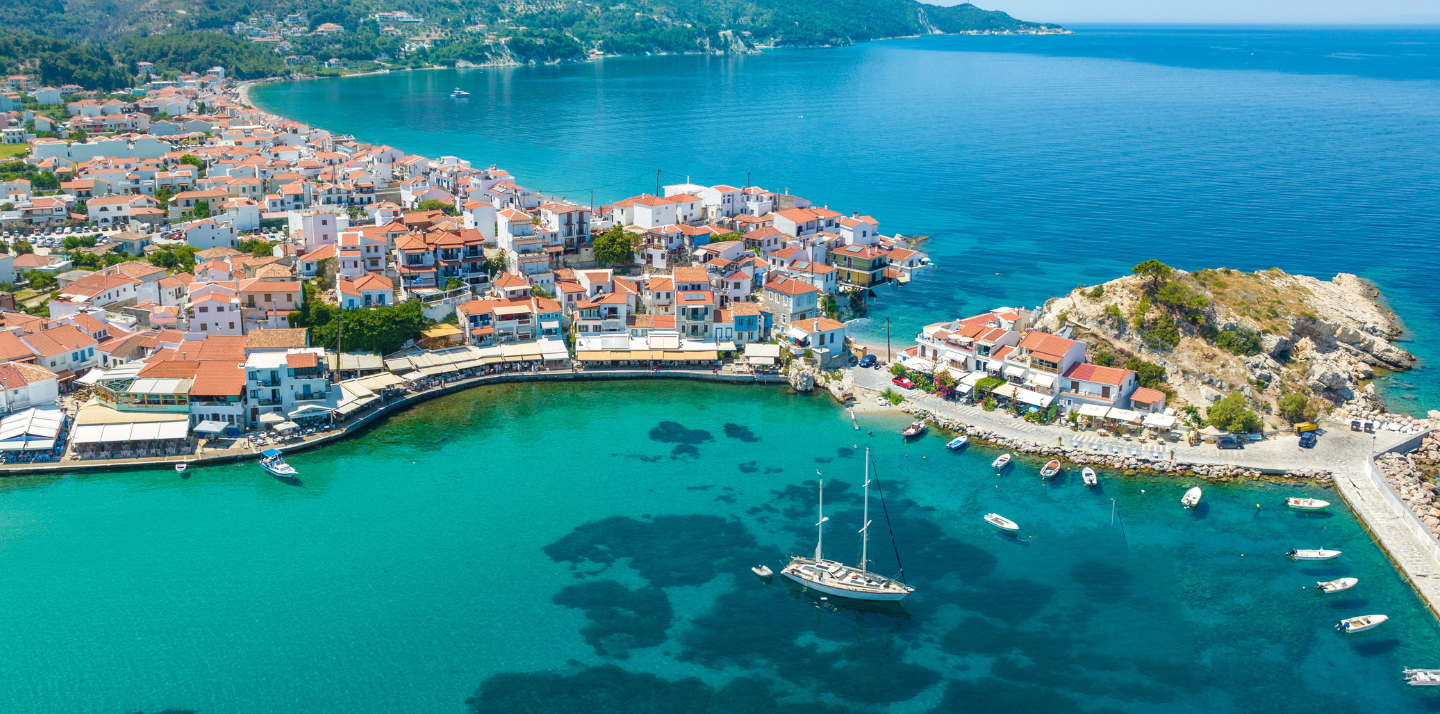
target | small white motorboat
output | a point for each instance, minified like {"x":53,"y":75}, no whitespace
{"x":1319,"y":554}
{"x":459,"y":93}
{"x":1335,"y":586}
{"x":274,"y":462}
{"x":1050,"y":469}
{"x":1422,"y":677}
{"x":1191,"y":498}
{"x":1306,"y":504}
{"x":1001,"y":461}
{"x":958,"y":442}
{"x":916,"y":428}
{"x":763,"y":571}
{"x":1088,"y":474}
{"x":180,"y":467}
{"x":1001,"y":523}
{"x":1361,"y":623}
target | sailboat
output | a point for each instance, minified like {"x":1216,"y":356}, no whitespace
{"x":833,"y":578}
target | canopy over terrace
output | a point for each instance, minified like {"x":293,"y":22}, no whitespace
{"x":1093,"y":410}
{"x":1004,"y":390}
{"x":31,"y":430}
{"x":762,"y":354}
{"x":1025,"y":396}
{"x":1125,"y":415}
{"x":1159,"y":421}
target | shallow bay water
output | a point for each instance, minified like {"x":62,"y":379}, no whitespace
{"x":1035,"y":164}
{"x":561,"y":548}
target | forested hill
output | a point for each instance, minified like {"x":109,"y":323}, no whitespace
{"x":656,"y":23}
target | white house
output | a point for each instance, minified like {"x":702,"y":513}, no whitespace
{"x":205,"y":234}
{"x":480,"y":216}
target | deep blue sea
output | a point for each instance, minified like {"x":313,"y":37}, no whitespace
{"x":586,"y":549}
{"x":1035,"y":164}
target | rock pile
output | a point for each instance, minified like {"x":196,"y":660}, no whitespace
{"x":1403,"y":472}
{"x":1110,"y":461}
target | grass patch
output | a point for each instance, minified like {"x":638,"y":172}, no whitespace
{"x":11,"y":151}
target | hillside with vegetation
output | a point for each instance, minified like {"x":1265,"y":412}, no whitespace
{"x":1288,"y":345}
{"x":100,"y":36}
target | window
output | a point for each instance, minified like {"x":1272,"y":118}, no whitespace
{"x":204,"y":327}
{"x":204,"y":309}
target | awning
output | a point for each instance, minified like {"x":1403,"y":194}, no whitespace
{"x":969,"y":380}
{"x":145,"y":431}
{"x":1004,"y":390}
{"x":88,"y":434}
{"x":1159,"y":421}
{"x":596,"y":356}
{"x":1093,"y":410}
{"x":1041,"y":379}
{"x":1125,"y":415}
{"x":553,"y":349}
{"x":174,"y":429}
{"x":348,"y":409}
{"x":1014,"y":371}
{"x":116,"y":432}
{"x":92,"y":376}
{"x":550,"y":325}
{"x":285,"y":426}
{"x":268,"y":418}
{"x":753,"y":351}
{"x":27,"y":445}
{"x":413,"y":376}
{"x":1026,"y":396}
{"x":761,"y":360}
{"x":218,"y":427}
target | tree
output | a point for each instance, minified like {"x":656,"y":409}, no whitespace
{"x":539,"y":292}
{"x":1104,"y":359}
{"x":195,"y":161}
{"x":202,"y":209}
{"x":1154,"y":271}
{"x":45,"y":181}
{"x":446,"y":208}
{"x":1148,"y":374}
{"x":615,"y":247}
{"x":454,"y":283}
{"x":1164,"y":334}
{"x":1232,"y":415}
{"x":898,"y":370}
{"x":7,"y":206}
{"x":178,"y":258}
{"x":21,"y":247}
{"x":1295,"y":407}
{"x":40,"y":280}
{"x":255,"y":246}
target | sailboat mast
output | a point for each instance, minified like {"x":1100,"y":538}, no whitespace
{"x":820,"y":524}
{"x":865,"y":530}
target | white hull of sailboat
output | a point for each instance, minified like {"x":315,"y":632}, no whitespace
{"x":844,"y":592}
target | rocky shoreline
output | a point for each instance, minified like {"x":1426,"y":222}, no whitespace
{"x":1409,"y":475}
{"x":1126,"y":464}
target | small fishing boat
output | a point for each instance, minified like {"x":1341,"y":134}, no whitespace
{"x":1320,"y":554}
{"x":180,"y":467}
{"x":1088,"y":474}
{"x":1306,"y":504}
{"x":916,"y":428}
{"x":763,"y":571}
{"x":1422,"y":677}
{"x":1050,"y":469}
{"x":1191,"y":498}
{"x":1001,"y":523}
{"x":1361,"y":623}
{"x":1335,"y":586}
{"x":459,"y":93}
{"x":1001,"y":461}
{"x":274,"y":462}
{"x":958,"y":442}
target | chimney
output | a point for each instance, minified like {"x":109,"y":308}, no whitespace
{"x":854,"y":214}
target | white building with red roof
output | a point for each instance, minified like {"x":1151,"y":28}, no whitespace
{"x":1086,"y":383}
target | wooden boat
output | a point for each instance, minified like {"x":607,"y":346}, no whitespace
{"x":1089,"y":475}
{"x":1320,"y":554}
{"x":180,"y":467}
{"x":1001,"y":523}
{"x":916,"y":428}
{"x":1335,"y":586}
{"x":763,"y":571}
{"x":1191,"y":498}
{"x":1306,"y":504}
{"x":1422,"y":677}
{"x":1001,"y":461}
{"x":274,"y":462}
{"x":1361,"y":623}
{"x":1050,"y":469}
{"x":958,"y":442}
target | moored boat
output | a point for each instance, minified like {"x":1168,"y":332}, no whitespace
{"x":1306,"y":504}
{"x":958,"y":442}
{"x":1001,"y":523}
{"x":1315,"y":554}
{"x":1422,"y":677}
{"x":1089,"y":475}
{"x":833,"y":578}
{"x":180,"y":467}
{"x":1335,"y":586}
{"x":1191,"y":498}
{"x":763,"y":571}
{"x":1050,"y":469}
{"x":1001,"y":461}
{"x":1361,"y":623}
{"x":274,"y":462}
{"x":916,"y":428}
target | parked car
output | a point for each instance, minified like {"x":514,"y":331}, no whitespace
{"x":868,"y":361}
{"x":904,"y":382}
{"x":1228,"y":442}
{"x":1308,"y":439}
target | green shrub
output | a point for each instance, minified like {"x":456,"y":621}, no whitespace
{"x":1296,"y":407}
{"x":1232,"y":415}
{"x":989,"y":404}
{"x":1240,"y":341}
{"x":1148,"y":374}
{"x":1097,"y":292}
{"x":898,"y":370}
{"x":1104,"y":359}
{"x":1164,"y":335}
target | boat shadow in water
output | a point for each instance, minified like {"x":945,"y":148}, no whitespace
{"x":1201,"y":511}
{"x":291,"y":480}
{"x":1353,"y":603}
{"x":1312,"y":515}
{"x":1373,"y":648}
{"x":833,"y":603}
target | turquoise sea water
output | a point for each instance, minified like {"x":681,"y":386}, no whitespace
{"x":1034,"y":163}
{"x":585,"y":548}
